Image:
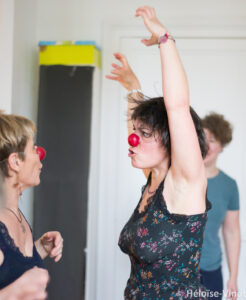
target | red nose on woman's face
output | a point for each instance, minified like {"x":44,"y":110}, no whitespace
{"x":133,"y":140}
{"x":41,"y":152}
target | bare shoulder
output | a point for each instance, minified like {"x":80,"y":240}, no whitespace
{"x":3,"y":217}
{"x":185,"y":197}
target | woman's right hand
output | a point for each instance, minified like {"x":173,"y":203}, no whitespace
{"x":124,"y":74}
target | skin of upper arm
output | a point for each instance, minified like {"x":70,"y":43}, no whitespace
{"x":231,"y":222}
{"x":186,"y":157}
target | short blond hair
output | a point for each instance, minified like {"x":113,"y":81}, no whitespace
{"x":15,"y":131}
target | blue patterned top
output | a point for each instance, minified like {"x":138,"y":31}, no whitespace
{"x":164,"y":250}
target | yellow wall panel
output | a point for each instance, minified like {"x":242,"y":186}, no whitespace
{"x":70,"y":55}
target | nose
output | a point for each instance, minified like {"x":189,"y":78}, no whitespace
{"x":41,"y":152}
{"x":133,"y":140}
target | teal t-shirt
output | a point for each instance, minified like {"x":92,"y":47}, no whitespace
{"x":223,"y":194}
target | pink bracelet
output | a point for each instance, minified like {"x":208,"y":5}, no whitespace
{"x":163,"y":39}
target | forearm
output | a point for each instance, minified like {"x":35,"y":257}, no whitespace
{"x":134,"y":84}
{"x":41,"y":251}
{"x":232,"y":244}
{"x":174,"y":79}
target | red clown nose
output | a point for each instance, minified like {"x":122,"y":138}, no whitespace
{"x":133,"y":140}
{"x":41,"y":152}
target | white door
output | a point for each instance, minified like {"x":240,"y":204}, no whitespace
{"x":216,"y":71}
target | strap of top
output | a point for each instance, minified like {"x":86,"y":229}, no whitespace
{"x":5,"y":239}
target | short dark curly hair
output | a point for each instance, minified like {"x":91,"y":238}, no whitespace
{"x":152,"y":112}
{"x":219,"y":127}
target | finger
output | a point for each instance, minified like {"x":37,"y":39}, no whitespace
{"x":56,"y":251}
{"x":112,"y":77}
{"x":47,"y":238}
{"x":147,"y":10}
{"x":152,"y":12}
{"x":142,"y":13}
{"x":147,"y":42}
{"x":115,"y":72}
{"x":228,"y":294}
{"x":118,"y":55}
{"x":58,"y":258}
{"x":121,"y":58}
{"x":116,"y":66}
{"x":57,"y":248}
{"x":234,"y":295}
{"x":49,"y":234}
{"x":58,"y":239}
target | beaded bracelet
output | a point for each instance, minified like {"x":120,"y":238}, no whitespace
{"x":163,"y":39}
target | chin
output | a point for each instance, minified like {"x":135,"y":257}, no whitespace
{"x":139,"y":165}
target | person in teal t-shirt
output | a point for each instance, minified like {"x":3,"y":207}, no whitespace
{"x":222,"y":192}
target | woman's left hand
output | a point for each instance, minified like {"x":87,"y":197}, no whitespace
{"x":152,"y":24}
{"x":232,"y":289}
{"x":50,"y":244}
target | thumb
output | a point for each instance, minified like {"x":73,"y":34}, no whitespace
{"x":147,"y":42}
{"x":48,"y":236}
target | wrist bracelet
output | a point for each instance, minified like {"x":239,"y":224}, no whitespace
{"x":163,"y":39}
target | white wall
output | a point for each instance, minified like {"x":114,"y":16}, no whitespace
{"x":25,"y":75}
{"x":6,"y":53}
{"x":81,"y":19}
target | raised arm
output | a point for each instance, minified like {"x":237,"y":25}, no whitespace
{"x":186,"y":158}
{"x":126,"y":77}
{"x":124,"y":74}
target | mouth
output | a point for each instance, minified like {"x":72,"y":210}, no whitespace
{"x":131,"y":153}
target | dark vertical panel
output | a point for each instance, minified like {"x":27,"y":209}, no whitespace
{"x":64,"y":119}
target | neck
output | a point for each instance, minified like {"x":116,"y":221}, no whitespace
{"x":159,"y":173}
{"x":11,"y":194}
{"x":211,"y":170}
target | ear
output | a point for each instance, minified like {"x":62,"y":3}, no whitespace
{"x":14,"y":162}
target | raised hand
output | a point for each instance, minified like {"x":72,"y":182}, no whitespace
{"x":152,"y":24}
{"x":123,"y":73}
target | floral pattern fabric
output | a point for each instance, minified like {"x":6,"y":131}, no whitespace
{"x":164,"y":251}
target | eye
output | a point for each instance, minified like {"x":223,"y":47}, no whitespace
{"x":146,"y":134}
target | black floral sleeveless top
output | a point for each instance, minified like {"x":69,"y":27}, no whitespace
{"x":164,"y":251}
